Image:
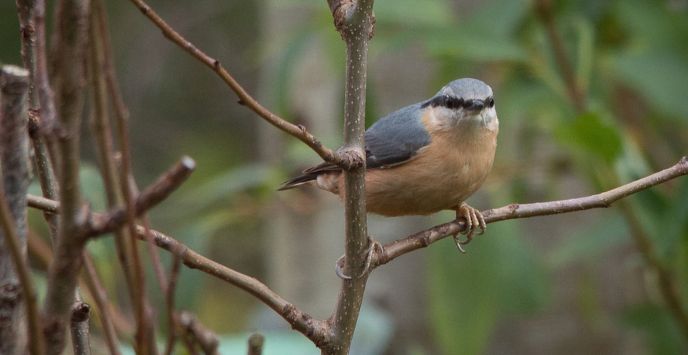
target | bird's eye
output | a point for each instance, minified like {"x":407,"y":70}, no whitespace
{"x":489,"y":102}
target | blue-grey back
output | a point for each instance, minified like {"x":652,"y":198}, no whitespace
{"x":396,"y":138}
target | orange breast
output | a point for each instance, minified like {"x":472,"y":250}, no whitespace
{"x":440,"y":176}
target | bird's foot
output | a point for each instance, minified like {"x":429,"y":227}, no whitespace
{"x":474,"y":221}
{"x":374,"y":247}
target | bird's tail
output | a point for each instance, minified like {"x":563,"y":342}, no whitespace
{"x":309,"y":175}
{"x":297,"y":181}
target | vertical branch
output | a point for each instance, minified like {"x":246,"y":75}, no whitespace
{"x":79,"y":327}
{"x":354,"y":20}
{"x":255,"y":344}
{"x":63,"y":273}
{"x":14,"y":158}
{"x":100,"y":297}
{"x":42,"y":110}
{"x":100,"y":35}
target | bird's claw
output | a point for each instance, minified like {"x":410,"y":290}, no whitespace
{"x":375,"y":246}
{"x":474,"y":221}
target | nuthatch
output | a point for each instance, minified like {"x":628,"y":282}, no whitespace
{"x":426,"y":157}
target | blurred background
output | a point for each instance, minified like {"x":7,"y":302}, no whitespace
{"x":590,"y":94}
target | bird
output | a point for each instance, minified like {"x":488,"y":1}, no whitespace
{"x":426,"y":157}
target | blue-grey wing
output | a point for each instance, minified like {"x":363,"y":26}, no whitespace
{"x":396,"y":138}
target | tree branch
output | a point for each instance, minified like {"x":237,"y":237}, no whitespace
{"x":354,"y":21}
{"x":422,"y":239}
{"x":199,"y":333}
{"x":63,"y":273}
{"x":149,"y":197}
{"x":79,"y":326}
{"x":298,"y":131}
{"x":14,"y":158}
{"x":316,"y":330}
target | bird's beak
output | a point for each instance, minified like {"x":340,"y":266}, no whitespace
{"x":475,"y":105}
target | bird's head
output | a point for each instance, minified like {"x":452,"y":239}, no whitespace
{"x":463,"y":102}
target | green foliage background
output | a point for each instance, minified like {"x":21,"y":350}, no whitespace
{"x":629,"y":57}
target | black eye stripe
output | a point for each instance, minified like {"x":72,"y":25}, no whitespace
{"x":451,"y":102}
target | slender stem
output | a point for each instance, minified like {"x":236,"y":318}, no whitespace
{"x":102,"y":131}
{"x":99,"y":295}
{"x":36,"y":344}
{"x":356,"y":27}
{"x":317,"y":331}
{"x":149,"y":197}
{"x":63,"y":273}
{"x":255,"y":344}
{"x":298,"y":131}
{"x":14,"y":85}
{"x":118,"y":187}
{"x":200,"y":334}
{"x":79,"y":327}
{"x":170,"y":299}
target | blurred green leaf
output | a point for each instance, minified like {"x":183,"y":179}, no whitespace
{"x":468,"y":293}
{"x":592,"y":135}
{"x":411,"y":13}
{"x":464,"y":45}
{"x":660,"y":77}
{"x":658,"y":327}
{"x":590,"y":241}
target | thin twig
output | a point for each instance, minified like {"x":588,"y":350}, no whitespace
{"x":316,"y":330}
{"x":122,"y":119}
{"x":297,"y":131}
{"x":149,"y":197}
{"x":63,"y":273}
{"x":354,"y":20}
{"x":102,"y":132}
{"x":79,"y":327}
{"x":100,"y":297}
{"x":203,"y":336}
{"x":605,"y":199}
{"x":117,"y":188}
{"x":169,"y":297}
{"x":36,"y":344}
{"x":255,"y":344}
{"x":14,"y":85}
{"x":32,"y":23}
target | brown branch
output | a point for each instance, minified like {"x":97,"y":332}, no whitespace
{"x":79,"y":327}
{"x":605,"y":199}
{"x":354,"y":21}
{"x":149,"y":197}
{"x":63,"y":273}
{"x":199,"y":333}
{"x":14,"y":157}
{"x":316,"y":330}
{"x":32,"y":27}
{"x":100,"y":297}
{"x":298,"y":131}
{"x":118,"y":187}
{"x":170,"y":297}
{"x":255,"y":344}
